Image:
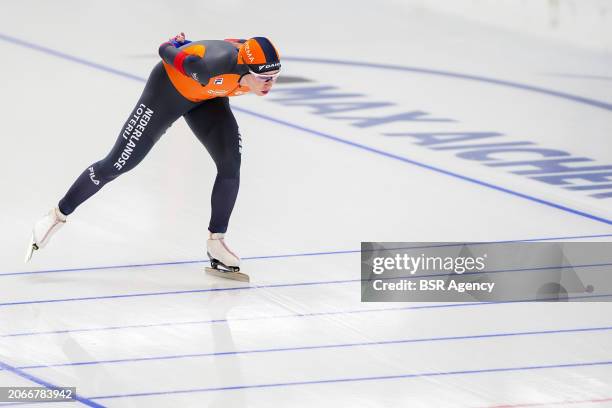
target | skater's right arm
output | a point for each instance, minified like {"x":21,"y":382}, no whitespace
{"x":190,"y":60}
{"x":190,"y":64}
{"x":177,"y":58}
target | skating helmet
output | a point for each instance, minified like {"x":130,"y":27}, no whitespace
{"x":260,"y":55}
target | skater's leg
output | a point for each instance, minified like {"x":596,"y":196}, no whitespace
{"x":215,"y":126}
{"x":159,"y":106}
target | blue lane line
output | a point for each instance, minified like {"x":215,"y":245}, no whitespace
{"x":498,"y":82}
{"x":449,"y":74}
{"x":352,"y":251}
{"x":358,"y":145}
{"x":359,"y":379}
{"x":320,"y":347}
{"x":417,"y":70}
{"x":36,"y":380}
{"x":425,"y":166}
{"x":291,"y":316}
{"x":213,"y":321}
{"x":71,"y":58}
{"x":286,"y":285}
{"x":140,"y":265}
{"x":101,"y":268}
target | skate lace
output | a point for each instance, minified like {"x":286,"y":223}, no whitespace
{"x":49,"y":231}
{"x":56,"y":221}
{"x":228,"y":250}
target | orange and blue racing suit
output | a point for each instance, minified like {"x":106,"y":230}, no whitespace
{"x":193,"y":80}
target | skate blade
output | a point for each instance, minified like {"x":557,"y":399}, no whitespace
{"x":31,"y":248}
{"x":238,"y":276}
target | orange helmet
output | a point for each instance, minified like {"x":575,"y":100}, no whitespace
{"x":259,"y":54}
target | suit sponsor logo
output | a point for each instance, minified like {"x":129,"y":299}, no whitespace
{"x":249,"y":54}
{"x":268,"y":66}
{"x":134,"y":129}
{"x":92,"y":176}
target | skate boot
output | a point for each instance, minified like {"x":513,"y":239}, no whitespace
{"x":223,"y":262}
{"x":43,"y":231}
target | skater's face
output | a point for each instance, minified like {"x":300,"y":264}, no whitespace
{"x":261,"y":84}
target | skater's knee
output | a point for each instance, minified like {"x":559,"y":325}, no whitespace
{"x":229,"y":173}
{"x":103,"y":172}
{"x":229,"y":167}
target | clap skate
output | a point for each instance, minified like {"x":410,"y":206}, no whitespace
{"x":223,"y":262}
{"x":43,"y":231}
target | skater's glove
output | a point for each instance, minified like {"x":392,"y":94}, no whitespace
{"x":179,"y":40}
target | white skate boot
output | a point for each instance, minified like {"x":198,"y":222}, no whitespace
{"x":223,"y":262}
{"x":43,"y":231}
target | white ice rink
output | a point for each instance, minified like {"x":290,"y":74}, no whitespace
{"x":118,"y":304}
